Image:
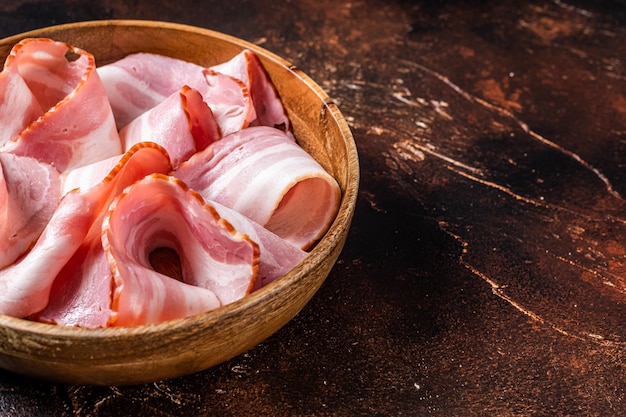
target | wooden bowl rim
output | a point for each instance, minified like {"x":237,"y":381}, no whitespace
{"x":323,"y":248}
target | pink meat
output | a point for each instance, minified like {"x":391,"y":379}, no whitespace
{"x":29,"y":194}
{"x":268,"y":106}
{"x":218,"y":263}
{"x":25,"y":285}
{"x":139,"y":82}
{"x":18,"y":105}
{"x":65,"y":83}
{"x":230,"y":100}
{"x":88,"y":176}
{"x":183,"y":124}
{"x":246,"y":203}
{"x":263,"y":174}
{"x":277,"y":255}
{"x":81,"y":292}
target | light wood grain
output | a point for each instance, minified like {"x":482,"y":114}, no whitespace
{"x":119,"y":356}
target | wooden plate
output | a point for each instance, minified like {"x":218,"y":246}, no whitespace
{"x":141,"y":354}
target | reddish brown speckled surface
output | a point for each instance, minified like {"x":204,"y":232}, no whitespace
{"x":485,"y":270}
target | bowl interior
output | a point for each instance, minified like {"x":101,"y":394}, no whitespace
{"x":120,"y":356}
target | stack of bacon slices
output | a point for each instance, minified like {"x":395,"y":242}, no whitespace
{"x":100,"y":168}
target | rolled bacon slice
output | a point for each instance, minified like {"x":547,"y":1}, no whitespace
{"x":29,"y":194}
{"x":183,"y":124}
{"x":247,"y":67}
{"x":218,"y":263}
{"x":65,"y":83}
{"x":80,"y":294}
{"x":139,"y":82}
{"x":263,"y":174}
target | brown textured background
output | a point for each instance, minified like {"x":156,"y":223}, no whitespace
{"x":485,"y":273}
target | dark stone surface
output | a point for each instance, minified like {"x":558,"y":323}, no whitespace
{"x":485,"y":273}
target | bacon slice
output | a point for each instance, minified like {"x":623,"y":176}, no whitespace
{"x":183,"y":124}
{"x":219,"y":264}
{"x":247,"y":67}
{"x":29,"y":194}
{"x":25,"y":285}
{"x":81,"y":292}
{"x":90,"y":175}
{"x":18,"y":105}
{"x":139,"y":82}
{"x":65,"y":83}
{"x":262,"y":173}
{"x":277,"y":255}
{"x":230,"y":100}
